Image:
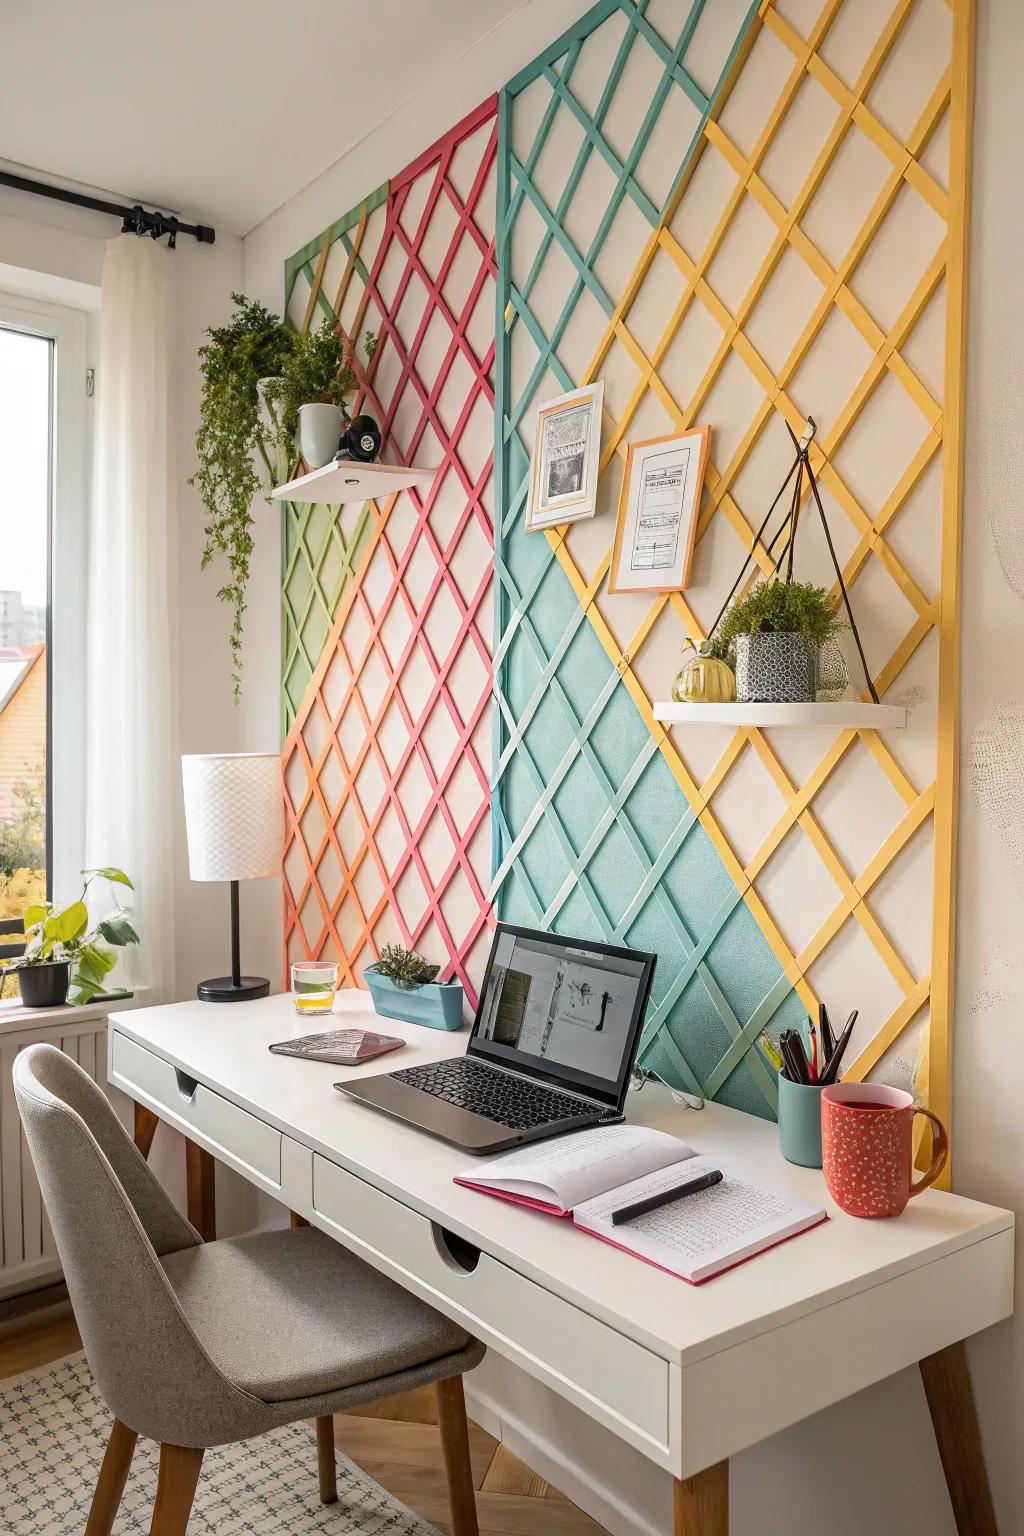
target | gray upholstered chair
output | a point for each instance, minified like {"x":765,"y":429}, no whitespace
{"x":199,"y":1344}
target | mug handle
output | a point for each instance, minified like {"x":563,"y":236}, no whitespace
{"x":940,"y":1152}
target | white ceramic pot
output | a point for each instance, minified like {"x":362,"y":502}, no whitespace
{"x":319,"y":433}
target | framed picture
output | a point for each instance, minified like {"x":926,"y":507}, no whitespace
{"x":658,"y":509}
{"x":563,"y":476}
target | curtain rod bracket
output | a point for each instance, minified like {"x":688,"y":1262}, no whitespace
{"x":136,"y":219}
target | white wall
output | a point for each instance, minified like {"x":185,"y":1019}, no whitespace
{"x":886,"y":1429}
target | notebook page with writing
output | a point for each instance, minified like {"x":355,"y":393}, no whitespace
{"x":559,"y":1174}
{"x":701,"y":1234}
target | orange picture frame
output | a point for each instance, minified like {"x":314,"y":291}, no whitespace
{"x":657,"y":523}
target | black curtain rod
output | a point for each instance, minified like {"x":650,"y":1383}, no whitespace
{"x":137,"y":220}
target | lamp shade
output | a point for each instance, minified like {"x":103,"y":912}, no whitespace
{"x":234,"y":815}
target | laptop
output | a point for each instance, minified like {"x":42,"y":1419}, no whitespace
{"x":552,"y":1047}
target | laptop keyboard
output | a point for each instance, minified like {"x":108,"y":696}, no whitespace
{"x":508,"y":1100}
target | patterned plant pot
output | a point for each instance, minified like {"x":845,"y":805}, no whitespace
{"x":437,"y":1004}
{"x":774,"y":669}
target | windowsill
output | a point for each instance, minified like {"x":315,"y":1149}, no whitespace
{"x":14,"y":1016}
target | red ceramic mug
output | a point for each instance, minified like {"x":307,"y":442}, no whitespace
{"x":867,"y":1148}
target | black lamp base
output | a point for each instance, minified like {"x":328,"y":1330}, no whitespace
{"x":224,"y":989}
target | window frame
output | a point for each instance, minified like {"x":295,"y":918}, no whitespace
{"x":67,"y":329}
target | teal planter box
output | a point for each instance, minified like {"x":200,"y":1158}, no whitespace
{"x":438,"y":1005}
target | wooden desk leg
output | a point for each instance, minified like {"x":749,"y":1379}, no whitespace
{"x":199,"y":1191}
{"x":702,"y":1503}
{"x":947,"y":1386}
{"x":144,"y":1127}
{"x":199,"y":1173}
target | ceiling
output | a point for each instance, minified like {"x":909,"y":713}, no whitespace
{"x":218,"y":111}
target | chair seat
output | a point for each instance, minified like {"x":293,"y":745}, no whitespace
{"x":289,"y":1315}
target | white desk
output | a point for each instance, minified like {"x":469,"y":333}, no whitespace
{"x":688,"y":1376}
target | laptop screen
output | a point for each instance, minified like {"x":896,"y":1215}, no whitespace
{"x":566,"y":1010}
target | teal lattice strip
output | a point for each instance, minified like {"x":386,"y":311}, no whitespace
{"x":591,"y":832}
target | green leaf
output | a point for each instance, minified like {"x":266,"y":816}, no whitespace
{"x":62,"y":926}
{"x":36,"y":913}
{"x":108,"y":872}
{"x":118,"y":930}
{"x":81,"y":992}
{"x":98,"y":960}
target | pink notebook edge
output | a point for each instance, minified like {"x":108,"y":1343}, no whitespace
{"x":554,"y":1210}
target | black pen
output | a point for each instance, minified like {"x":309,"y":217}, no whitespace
{"x":835,"y":1061}
{"x":666,"y":1197}
{"x":828,"y":1039}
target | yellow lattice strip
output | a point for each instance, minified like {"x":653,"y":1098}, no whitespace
{"x":943,"y":422}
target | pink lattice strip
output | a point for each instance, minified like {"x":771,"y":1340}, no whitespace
{"x":464,"y":716}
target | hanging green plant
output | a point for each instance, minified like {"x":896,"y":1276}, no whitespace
{"x":781,"y":608}
{"x":318,"y":371}
{"x":254,"y":345}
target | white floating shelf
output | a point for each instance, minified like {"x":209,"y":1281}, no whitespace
{"x":352,"y":481}
{"x":846,"y":715}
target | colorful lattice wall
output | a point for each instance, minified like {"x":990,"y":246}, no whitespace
{"x":735,"y":215}
{"x":387,"y":607}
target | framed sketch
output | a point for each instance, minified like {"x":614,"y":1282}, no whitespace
{"x":658,"y":509}
{"x":563,"y":475}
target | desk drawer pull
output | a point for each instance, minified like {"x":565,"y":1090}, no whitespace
{"x":186,"y":1085}
{"x":458,"y":1253}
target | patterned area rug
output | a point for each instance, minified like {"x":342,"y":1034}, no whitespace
{"x":53,"y":1432}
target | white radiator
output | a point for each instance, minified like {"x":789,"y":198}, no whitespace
{"x":28,"y":1258}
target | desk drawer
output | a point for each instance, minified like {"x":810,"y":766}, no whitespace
{"x":241,"y":1138}
{"x":574,"y":1353}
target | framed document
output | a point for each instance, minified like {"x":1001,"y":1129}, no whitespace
{"x":658,"y":510}
{"x":563,"y":476}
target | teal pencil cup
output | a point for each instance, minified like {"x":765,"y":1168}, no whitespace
{"x":800,"y":1122}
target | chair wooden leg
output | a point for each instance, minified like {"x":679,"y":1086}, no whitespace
{"x":326,"y":1466}
{"x":296,"y":1221}
{"x":117,"y":1461}
{"x":702,"y":1503}
{"x":947,"y":1386}
{"x":451,"y":1419}
{"x":175,"y":1489}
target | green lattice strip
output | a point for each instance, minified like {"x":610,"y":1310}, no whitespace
{"x":318,"y":557}
{"x":591,"y":833}
{"x":319,"y":560}
{"x":343,"y":229}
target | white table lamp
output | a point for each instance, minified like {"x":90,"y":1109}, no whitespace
{"x":234,"y":820}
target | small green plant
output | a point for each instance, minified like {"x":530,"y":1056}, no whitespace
{"x":405,"y":967}
{"x":254,"y":345}
{"x":319,"y":370}
{"x":53,"y":936}
{"x":781,"y":608}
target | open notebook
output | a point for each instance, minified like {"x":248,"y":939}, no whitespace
{"x":587,"y":1176}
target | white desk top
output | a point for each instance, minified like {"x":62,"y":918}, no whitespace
{"x":226,"y":1048}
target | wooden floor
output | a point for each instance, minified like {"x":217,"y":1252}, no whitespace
{"x":395,"y":1441}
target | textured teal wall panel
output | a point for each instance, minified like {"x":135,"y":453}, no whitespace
{"x":592,"y":834}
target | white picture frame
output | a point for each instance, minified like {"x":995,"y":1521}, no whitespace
{"x":566,"y":456}
{"x":658,"y":509}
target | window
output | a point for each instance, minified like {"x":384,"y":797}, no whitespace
{"x":42,"y":562}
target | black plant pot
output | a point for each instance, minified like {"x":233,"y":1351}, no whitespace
{"x":46,"y":985}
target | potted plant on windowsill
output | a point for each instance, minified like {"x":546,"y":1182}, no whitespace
{"x":402,"y":986}
{"x":773,"y":638}
{"x":311,"y":395}
{"x":66,"y":958}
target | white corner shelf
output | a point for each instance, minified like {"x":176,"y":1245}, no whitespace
{"x":351,"y":481}
{"x":847,"y":714}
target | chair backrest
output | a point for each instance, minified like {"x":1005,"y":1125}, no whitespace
{"x":111,"y":1221}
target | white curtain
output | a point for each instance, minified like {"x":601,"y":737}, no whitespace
{"x":131,"y":747}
